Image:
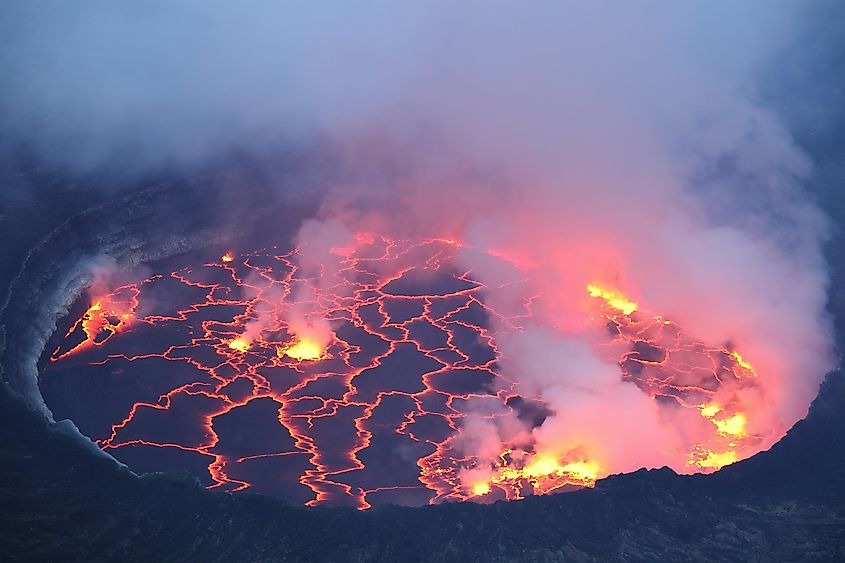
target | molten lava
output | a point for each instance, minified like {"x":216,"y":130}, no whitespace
{"x":107,"y":316}
{"x":239,"y":344}
{"x":219,"y":382}
{"x":544,"y":474}
{"x":481,"y":489}
{"x":302,"y":349}
{"x":613,"y":298}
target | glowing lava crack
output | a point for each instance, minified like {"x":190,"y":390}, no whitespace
{"x":353,"y":387}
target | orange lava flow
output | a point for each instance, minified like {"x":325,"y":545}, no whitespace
{"x":410,"y":348}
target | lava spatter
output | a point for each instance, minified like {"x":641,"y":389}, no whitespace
{"x":361,"y":402}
